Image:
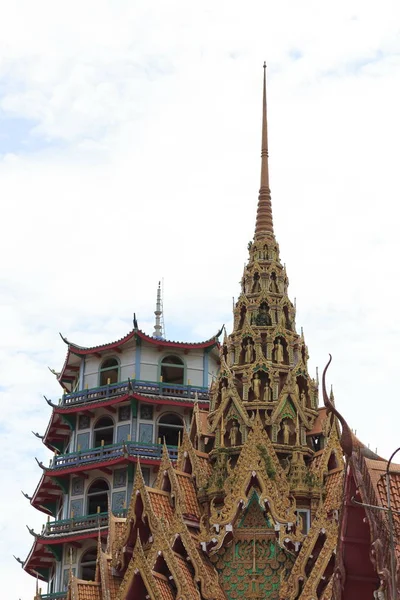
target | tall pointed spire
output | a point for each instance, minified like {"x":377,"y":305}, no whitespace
{"x":264,"y":224}
{"x":158,"y":329}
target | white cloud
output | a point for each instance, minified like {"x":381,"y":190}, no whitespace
{"x":149,"y":120}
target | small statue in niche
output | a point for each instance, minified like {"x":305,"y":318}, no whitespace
{"x":286,"y":432}
{"x":273,"y":287}
{"x":256,"y":385}
{"x":233,"y":433}
{"x":263,"y":317}
{"x":265,"y":253}
{"x":256,"y":284}
{"x":267,"y":397}
{"x":248,"y":353}
{"x":282,"y":320}
{"x":278,"y":351}
{"x":303,"y":398}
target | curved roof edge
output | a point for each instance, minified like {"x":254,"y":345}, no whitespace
{"x":83,"y":350}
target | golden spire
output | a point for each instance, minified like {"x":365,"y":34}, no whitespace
{"x":264,"y":224}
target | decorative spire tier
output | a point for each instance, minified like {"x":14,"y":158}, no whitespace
{"x":264,"y":223}
{"x":264,"y":360}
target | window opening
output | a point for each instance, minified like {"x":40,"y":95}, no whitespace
{"x":103,"y":432}
{"x":172,"y":370}
{"x":170,"y":428}
{"x":97,"y":497}
{"x":109,"y":371}
{"x":88,"y":564}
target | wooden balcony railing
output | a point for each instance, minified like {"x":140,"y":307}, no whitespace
{"x":183,"y":392}
{"x":112,"y":451}
{"x":77,"y":524}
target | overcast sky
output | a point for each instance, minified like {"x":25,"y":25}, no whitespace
{"x":130,"y":151}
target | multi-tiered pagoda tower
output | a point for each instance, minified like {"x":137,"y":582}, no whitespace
{"x":248,"y":508}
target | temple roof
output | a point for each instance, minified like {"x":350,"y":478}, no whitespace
{"x":137,"y":333}
{"x":71,"y":366}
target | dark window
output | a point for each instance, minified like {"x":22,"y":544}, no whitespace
{"x":103,"y":432}
{"x":88,"y":564}
{"x":109,"y":371}
{"x":170,"y":428}
{"x":97,"y":497}
{"x":172,"y":370}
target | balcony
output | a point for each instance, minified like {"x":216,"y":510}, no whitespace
{"x":54,"y":596}
{"x":148,"y":388}
{"x":78,"y":524}
{"x":110,"y":452}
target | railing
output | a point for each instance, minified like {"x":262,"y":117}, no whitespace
{"x":76,"y":524}
{"x":151,"y":388}
{"x":139,"y":449}
{"x":53,"y":596}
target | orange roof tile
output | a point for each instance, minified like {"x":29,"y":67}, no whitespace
{"x":110,"y":582}
{"x":160,"y":502}
{"x":187,"y":576}
{"x":334,"y":489}
{"x":85,"y":590}
{"x":163,"y":587}
{"x":190,"y":505}
{"x":318,"y":423}
{"x":203,"y":422}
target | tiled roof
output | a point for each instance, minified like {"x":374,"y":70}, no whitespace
{"x":203,"y":463}
{"x":316,"y":460}
{"x":85,"y":590}
{"x":163,"y":588}
{"x":187,"y":577}
{"x":333,"y":482}
{"x":377,"y":472}
{"x":203,"y":422}
{"x":76,"y":349}
{"x":112,"y":583}
{"x":318,"y":423}
{"x":190,"y":505}
{"x":160,"y":502}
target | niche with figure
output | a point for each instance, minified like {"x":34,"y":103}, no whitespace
{"x":284,"y":320}
{"x":287,"y":432}
{"x":242,"y":317}
{"x":256,"y":287}
{"x":260,"y":389}
{"x":247,"y":353}
{"x":223,"y":391}
{"x":273,"y":285}
{"x":233,"y":435}
{"x":265,"y":252}
{"x":263,"y":318}
{"x":302,"y":392}
{"x":280,"y":353}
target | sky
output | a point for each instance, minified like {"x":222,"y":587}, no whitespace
{"x":130,"y":138}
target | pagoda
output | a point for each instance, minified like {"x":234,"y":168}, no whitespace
{"x":248,"y":505}
{"x":121,"y":402}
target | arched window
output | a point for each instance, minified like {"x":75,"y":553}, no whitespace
{"x":172,"y":370}
{"x":97,"y":497}
{"x":88,"y":564}
{"x":103,"y":432}
{"x":109,"y":371}
{"x":169,"y":427}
